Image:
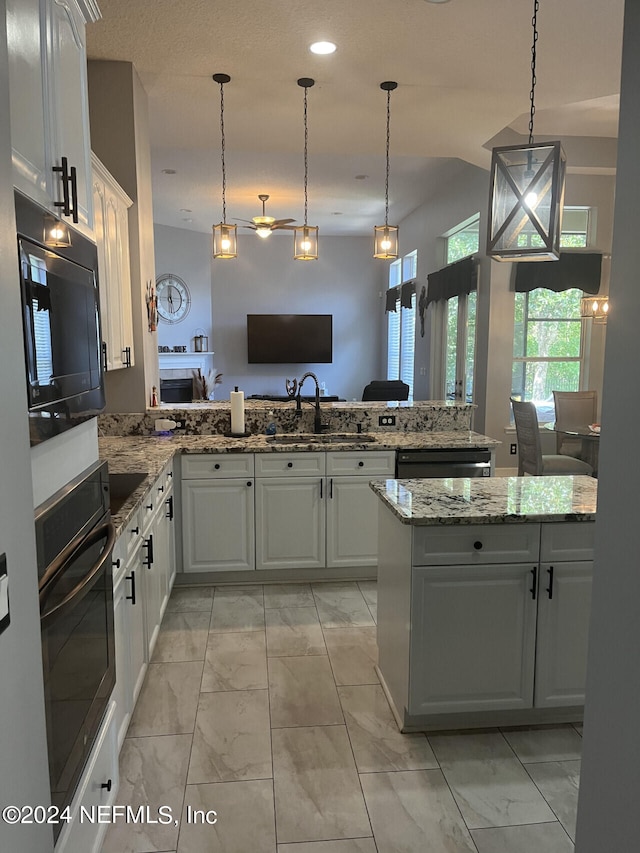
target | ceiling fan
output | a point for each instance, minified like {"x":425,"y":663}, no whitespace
{"x":264,"y":225}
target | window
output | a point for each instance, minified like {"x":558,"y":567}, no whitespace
{"x":463,"y":240}
{"x":401,"y":324}
{"x":548,"y":343}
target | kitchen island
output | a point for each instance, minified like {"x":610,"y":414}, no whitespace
{"x":484,"y":593}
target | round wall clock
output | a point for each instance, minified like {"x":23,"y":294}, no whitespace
{"x":173,"y":297}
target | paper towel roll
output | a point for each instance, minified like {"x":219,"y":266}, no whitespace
{"x":237,"y":412}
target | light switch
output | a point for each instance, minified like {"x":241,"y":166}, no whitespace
{"x":4,"y":594}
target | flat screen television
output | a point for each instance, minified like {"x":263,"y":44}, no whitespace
{"x":290,"y":338}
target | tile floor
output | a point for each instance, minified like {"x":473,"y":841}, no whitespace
{"x":262,"y":704}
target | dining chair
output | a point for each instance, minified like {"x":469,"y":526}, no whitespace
{"x":530,"y":457}
{"x":573,"y":409}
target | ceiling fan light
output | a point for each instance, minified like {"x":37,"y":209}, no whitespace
{"x":385,"y":239}
{"x":305,"y":243}
{"x":225,"y":241}
{"x":263,"y":231}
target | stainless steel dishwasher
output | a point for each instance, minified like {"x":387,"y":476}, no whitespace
{"x":464,"y":462}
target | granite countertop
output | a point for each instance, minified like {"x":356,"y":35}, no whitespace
{"x":489,"y":500}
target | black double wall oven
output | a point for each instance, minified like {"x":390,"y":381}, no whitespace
{"x":74,"y":542}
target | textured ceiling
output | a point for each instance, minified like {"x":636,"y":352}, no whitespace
{"x":463,"y":73}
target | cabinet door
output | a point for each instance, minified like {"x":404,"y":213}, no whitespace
{"x":119,"y":282}
{"x":134,"y":579}
{"x":67,"y":112}
{"x":352,"y":522}
{"x":290,"y":522}
{"x":26,"y":43}
{"x":122,"y":692}
{"x":151,"y":588}
{"x":99,"y":214}
{"x":472,"y":638}
{"x":562,"y":637}
{"x":218,"y":532}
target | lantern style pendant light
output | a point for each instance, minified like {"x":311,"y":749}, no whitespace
{"x":305,"y":237}
{"x":385,"y":237}
{"x":225,"y":236}
{"x":526,"y":194}
{"x":57,"y":234}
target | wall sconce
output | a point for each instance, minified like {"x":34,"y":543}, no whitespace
{"x":57,"y":235}
{"x":225,"y":236}
{"x":595,"y":308}
{"x":385,"y":237}
{"x":526,"y":193}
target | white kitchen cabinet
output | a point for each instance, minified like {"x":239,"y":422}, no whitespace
{"x":110,"y":205}
{"x":218,"y":516}
{"x":290,"y":522}
{"x":49,"y":104}
{"x":473,"y":638}
{"x":352,"y":508}
{"x":157,"y":558}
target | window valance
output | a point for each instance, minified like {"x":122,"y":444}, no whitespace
{"x":403,"y":292}
{"x":572,"y":269}
{"x":453,"y":280}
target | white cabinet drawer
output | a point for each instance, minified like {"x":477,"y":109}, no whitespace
{"x":290,"y":464}
{"x":475,"y":544}
{"x":200,"y":466}
{"x":129,"y":538}
{"x":567,"y":541}
{"x":370,"y":463}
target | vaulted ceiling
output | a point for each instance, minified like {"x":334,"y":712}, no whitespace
{"x":463,"y":73}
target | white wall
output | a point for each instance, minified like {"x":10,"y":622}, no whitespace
{"x":24,"y":779}
{"x":264,"y":279}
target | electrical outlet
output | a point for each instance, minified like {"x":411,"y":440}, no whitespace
{"x":386,"y":420}
{"x":180,"y":423}
{"x":513,"y":449}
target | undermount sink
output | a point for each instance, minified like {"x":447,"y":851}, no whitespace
{"x":322,"y":438}
{"x":122,"y":486}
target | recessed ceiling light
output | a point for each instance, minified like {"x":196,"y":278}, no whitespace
{"x":437,"y":1}
{"x":185,"y":210}
{"x":337,"y":213}
{"x":168,"y":171}
{"x":361,"y":177}
{"x":322,"y":47}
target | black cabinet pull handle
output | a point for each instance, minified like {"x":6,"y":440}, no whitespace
{"x":289,"y":464}
{"x":116,"y":563}
{"x":161,"y":488}
{"x":170,"y":474}
{"x":106,"y":785}
{"x":360,"y":464}
{"x":320,"y":488}
{"x":74,"y":194}
{"x":135,"y":530}
{"x":477,"y":545}
{"x":149,"y":546}
{"x":169,"y":503}
{"x":550,"y":587}
{"x":249,"y":483}
{"x":105,"y":365}
{"x":217,"y":466}
{"x":534,"y":572}
{"x":132,"y":578}
{"x":331,"y":488}
{"x":149,"y":506}
{"x":127,"y":356}
{"x":64,"y":177}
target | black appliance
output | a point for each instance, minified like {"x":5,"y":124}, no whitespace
{"x":74,"y":542}
{"x":61,"y":321}
{"x":176,"y":390}
{"x":289,"y":338}
{"x":452,"y":462}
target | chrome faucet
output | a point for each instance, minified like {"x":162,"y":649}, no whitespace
{"x":296,"y":385}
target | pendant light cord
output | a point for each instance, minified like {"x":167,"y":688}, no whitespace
{"x":386,"y":184}
{"x":534,"y":24}
{"x":222,"y":149}
{"x":306,"y":162}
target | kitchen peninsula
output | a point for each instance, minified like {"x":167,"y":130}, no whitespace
{"x":484,"y":593}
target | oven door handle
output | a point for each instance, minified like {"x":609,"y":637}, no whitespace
{"x":98,"y":533}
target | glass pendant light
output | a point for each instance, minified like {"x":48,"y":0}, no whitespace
{"x":526,"y":194}
{"x":385,"y":237}
{"x":225,"y":236}
{"x":57,"y":234}
{"x":305,"y":237}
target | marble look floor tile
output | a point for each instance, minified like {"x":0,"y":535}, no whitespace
{"x":349,"y":845}
{"x":341,"y":605}
{"x":559,"y":782}
{"x":490,"y":785}
{"x":237,"y":609}
{"x":414,"y":811}
{"x":182,"y":636}
{"x":235,"y":661}
{"x":232,"y":737}
{"x":534,"y":838}
{"x":168,"y":700}
{"x":376,"y":742}
{"x":294,"y":631}
{"x":153,"y":773}
{"x":369,"y":590}
{"x":245,"y":818}
{"x":353,"y":653}
{"x":302,"y":692}
{"x":277,"y":595}
{"x":544,"y":743}
{"x":317,"y":792}
{"x":190,"y":598}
